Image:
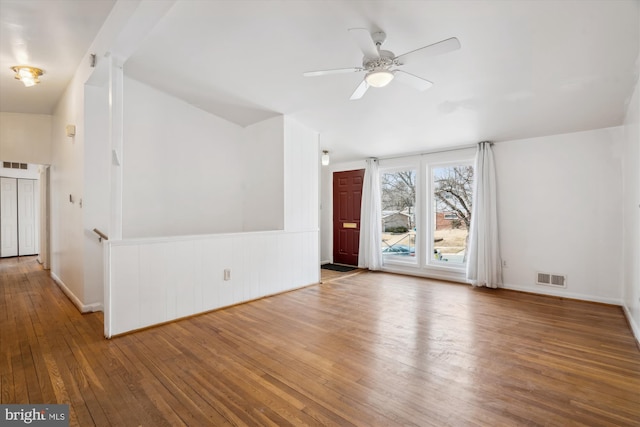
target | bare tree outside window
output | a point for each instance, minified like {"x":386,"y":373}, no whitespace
{"x":398,"y":190}
{"x":453,"y":191}
{"x":452,"y":198}
{"x":451,"y":202}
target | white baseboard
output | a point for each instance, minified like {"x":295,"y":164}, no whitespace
{"x":635,"y":328}
{"x":545,"y":290}
{"x":90,"y":308}
{"x":84,"y":308}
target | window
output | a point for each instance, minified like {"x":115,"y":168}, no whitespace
{"x":451,"y":199}
{"x":398,"y":188}
{"x":426,"y":211}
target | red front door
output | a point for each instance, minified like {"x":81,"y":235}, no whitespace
{"x":347,"y":196}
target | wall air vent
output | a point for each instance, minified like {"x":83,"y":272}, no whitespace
{"x":14,"y":165}
{"x":549,"y":279}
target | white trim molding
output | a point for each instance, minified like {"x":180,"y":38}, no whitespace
{"x":83,"y":308}
{"x":635,"y":328}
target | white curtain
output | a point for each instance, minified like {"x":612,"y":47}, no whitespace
{"x":483,"y":260}
{"x":370,"y":254}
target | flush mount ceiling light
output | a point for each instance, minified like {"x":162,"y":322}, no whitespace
{"x":379,"y":78}
{"x":27,"y":75}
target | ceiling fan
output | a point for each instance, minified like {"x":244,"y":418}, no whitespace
{"x":381,"y":65}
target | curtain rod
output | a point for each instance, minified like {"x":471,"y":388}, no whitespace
{"x":425,"y":153}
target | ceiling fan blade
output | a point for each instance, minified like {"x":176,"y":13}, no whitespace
{"x":360,"y":91}
{"x":336,"y":71}
{"x":362,"y":36}
{"x":444,"y":46}
{"x":411,"y":80}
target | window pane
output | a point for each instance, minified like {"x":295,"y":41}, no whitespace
{"x":398,"y":215}
{"x":452,"y":198}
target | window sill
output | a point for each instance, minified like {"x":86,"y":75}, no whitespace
{"x":432,"y":272}
{"x":401,"y":261}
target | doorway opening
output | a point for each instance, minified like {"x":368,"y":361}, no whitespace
{"x":24,"y":208}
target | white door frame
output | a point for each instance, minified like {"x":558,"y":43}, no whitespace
{"x":8,"y":217}
{"x":43,"y":256}
{"x":28,"y":217}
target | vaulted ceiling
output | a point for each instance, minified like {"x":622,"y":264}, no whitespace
{"x":525,"y":68}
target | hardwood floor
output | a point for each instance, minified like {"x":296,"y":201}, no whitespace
{"x":365,"y":350}
{"x":330,"y":275}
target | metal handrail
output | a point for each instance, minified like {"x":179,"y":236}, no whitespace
{"x":101,"y":235}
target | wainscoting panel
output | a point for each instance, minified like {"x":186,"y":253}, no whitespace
{"x":152,"y":281}
{"x":125,"y":297}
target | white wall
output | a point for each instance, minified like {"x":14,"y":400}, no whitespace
{"x":301,"y":177}
{"x":326,"y":221}
{"x":263,"y":183}
{"x":560,"y":211}
{"x":631,"y":212}
{"x":68,"y":231}
{"x":25,"y":138}
{"x":67,"y":178}
{"x":188,"y":172}
{"x":144,"y":288}
{"x":96,"y":199}
{"x":182,"y":167}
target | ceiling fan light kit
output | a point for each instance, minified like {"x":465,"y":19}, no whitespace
{"x":29,"y":76}
{"x":381,"y":66}
{"x":379,"y":78}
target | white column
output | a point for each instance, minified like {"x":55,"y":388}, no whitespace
{"x":116,"y":91}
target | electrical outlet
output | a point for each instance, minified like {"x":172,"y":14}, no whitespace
{"x":227,"y":274}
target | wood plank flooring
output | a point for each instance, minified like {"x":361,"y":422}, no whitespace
{"x":369,"y":349}
{"x":330,"y":275}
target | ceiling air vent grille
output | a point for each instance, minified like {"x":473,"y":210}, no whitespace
{"x":550,"y":279}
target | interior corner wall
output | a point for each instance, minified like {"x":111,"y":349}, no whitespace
{"x":560,"y":211}
{"x":301,"y":178}
{"x":326,"y":216}
{"x":263,"y":184}
{"x":67,"y":187}
{"x":631,"y":211}
{"x":182,"y":167}
{"x":25,"y":138}
{"x":96,"y":205}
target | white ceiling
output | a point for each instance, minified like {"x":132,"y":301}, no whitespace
{"x":525,"y":69}
{"x":53,"y":35}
